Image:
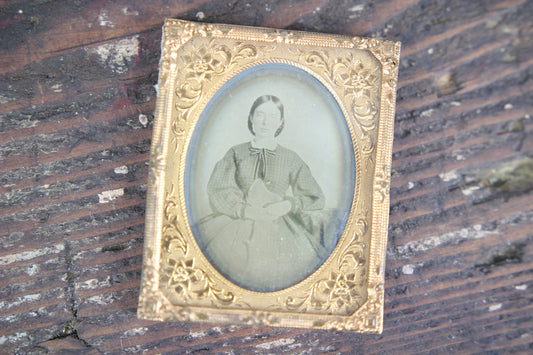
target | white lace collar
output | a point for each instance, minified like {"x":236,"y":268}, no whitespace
{"x":270,"y":144}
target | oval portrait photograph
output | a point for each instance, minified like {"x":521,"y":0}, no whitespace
{"x":269,"y":177}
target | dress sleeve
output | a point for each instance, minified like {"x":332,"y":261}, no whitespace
{"x":225,"y":196}
{"x":307,"y":193}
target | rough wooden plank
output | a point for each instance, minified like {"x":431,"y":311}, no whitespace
{"x":76,"y":109}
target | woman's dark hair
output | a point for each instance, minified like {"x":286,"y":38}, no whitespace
{"x":261,"y":100}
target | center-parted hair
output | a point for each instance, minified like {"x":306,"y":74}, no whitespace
{"x":261,"y":100}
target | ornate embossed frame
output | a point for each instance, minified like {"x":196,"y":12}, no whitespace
{"x":346,"y":291}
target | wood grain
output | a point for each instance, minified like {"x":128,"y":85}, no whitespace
{"x":76,"y":111}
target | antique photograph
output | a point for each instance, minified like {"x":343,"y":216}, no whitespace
{"x":267,"y":198}
{"x":270,"y":178}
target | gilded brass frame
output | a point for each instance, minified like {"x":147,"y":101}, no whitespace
{"x":346,"y":292}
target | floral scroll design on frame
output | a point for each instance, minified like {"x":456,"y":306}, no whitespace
{"x":371,"y":311}
{"x":179,"y":33}
{"x":359,"y":85}
{"x":339,"y":293}
{"x":202,"y":61}
{"x":180,"y":276}
{"x":153,"y":306}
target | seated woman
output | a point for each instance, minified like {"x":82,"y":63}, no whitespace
{"x":266,"y":231}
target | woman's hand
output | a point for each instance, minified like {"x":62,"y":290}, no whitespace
{"x":279,"y":209}
{"x":269,"y":212}
{"x":256,"y":213}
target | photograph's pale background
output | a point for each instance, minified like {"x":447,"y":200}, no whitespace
{"x":314,"y":128}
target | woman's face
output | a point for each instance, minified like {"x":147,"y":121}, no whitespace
{"x":266,"y":120}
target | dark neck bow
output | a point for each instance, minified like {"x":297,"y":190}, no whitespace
{"x":261,"y":164}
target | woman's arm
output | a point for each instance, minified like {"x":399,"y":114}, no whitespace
{"x":225,"y":196}
{"x":307,"y":193}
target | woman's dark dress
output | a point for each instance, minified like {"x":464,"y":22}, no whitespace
{"x":263,"y":255}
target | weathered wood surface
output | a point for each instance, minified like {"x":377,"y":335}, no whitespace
{"x":76,"y":103}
